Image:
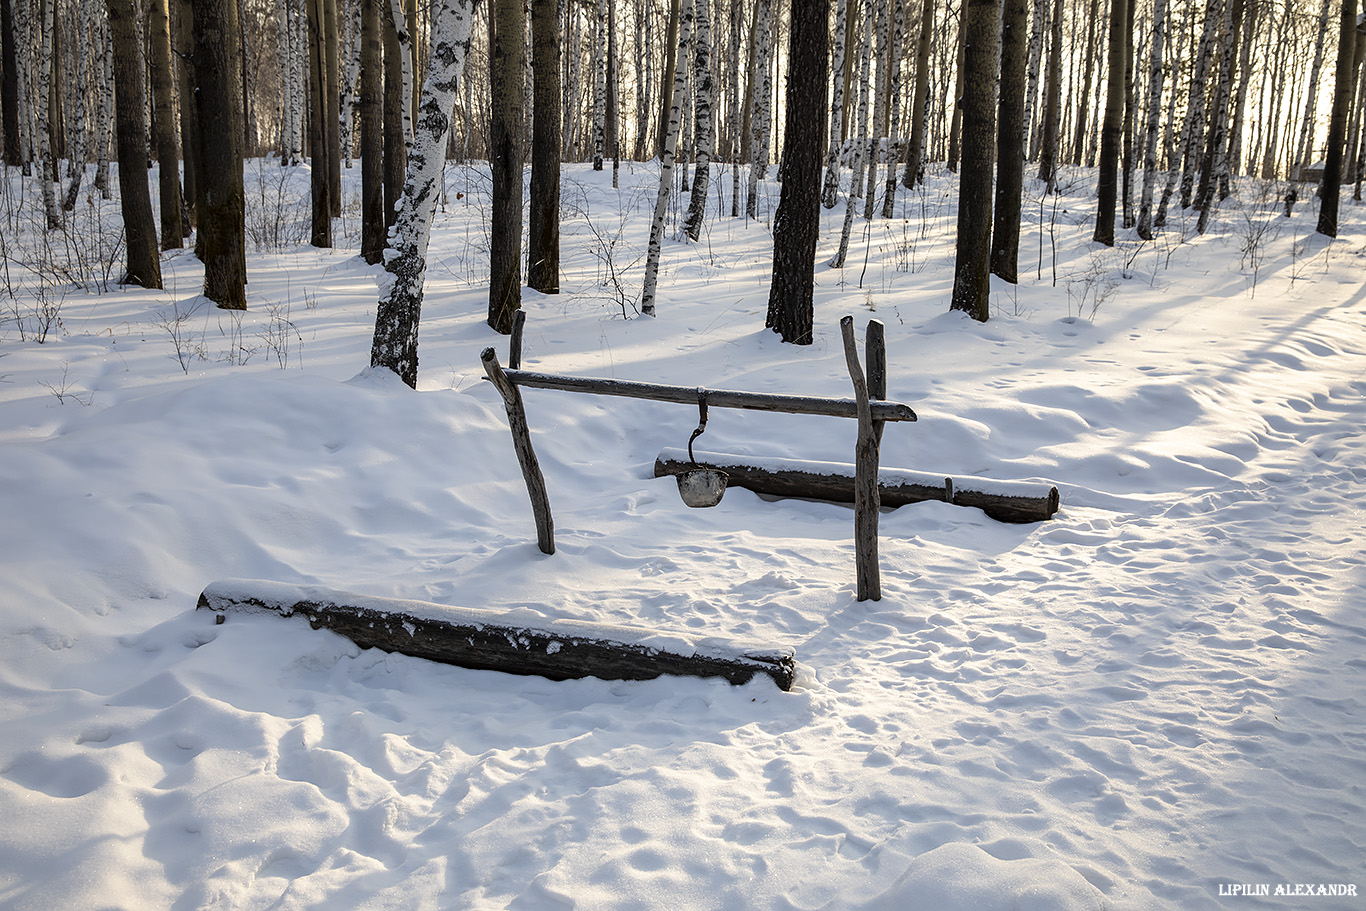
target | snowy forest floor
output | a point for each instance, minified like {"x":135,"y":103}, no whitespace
{"x":1156,"y":694}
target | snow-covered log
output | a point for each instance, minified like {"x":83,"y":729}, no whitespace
{"x":1005,"y":501}
{"x":519,"y":641}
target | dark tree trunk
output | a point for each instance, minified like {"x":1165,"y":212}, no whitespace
{"x":9,"y":84}
{"x":797,"y":221}
{"x":395,"y":140}
{"x":972,"y":273}
{"x":372,"y":226}
{"x":320,"y":168}
{"x":222,"y":197}
{"x":962,"y":88}
{"x":1331,"y":189}
{"x":507,"y":79}
{"x":915,"y":154}
{"x":331,"y":103}
{"x":543,"y":253}
{"x":168,"y":146}
{"x":1010,"y":141}
{"x":130,"y":119}
{"x":1111,"y":131}
{"x":182,"y":37}
{"x":1052,"y":106}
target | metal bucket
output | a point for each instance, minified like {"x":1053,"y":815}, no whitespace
{"x":701,"y":487}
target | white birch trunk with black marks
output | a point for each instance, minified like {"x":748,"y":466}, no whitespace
{"x":350,"y":94}
{"x":405,"y":42}
{"x":46,"y":165}
{"x":1036,"y":41}
{"x":78,"y":76}
{"x":893,"y":106}
{"x":104,"y":109}
{"x":666,"y":163}
{"x":1156,"y":72}
{"x":1303,"y":146}
{"x":860,"y":146}
{"x":599,"y":84}
{"x":733,"y":100}
{"x":830,"y":190}
{"x":1194,"y":129}
{"x":1175,"y":142}
{"x":702,"y":132}
{"x":879,"y":131}
{"x":405,"y":261}
{"x":761,"y":83}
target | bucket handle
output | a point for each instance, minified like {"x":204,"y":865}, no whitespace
{"x":702,"y":426}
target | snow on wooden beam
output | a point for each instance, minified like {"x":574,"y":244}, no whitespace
{"x":1005,"y":501}
{"x":516,"y":642}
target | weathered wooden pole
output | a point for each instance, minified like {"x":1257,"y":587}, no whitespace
{"x":521,"y":441}
{"x":866,"y":501}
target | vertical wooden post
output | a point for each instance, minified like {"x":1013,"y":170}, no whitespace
{"x":866,"y":498}
{"x":515,"y":343}
{"x":875,"y":346}
{"x":521,"y":441}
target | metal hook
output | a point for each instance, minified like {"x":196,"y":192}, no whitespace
{"x":702,"y":426}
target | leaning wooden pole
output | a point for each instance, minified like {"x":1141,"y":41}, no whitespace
{"x":866,"y":503}
{"x":521,"y":441}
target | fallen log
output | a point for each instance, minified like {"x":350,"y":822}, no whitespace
{"x":1005,"y":501}
{"x":516,"y":642}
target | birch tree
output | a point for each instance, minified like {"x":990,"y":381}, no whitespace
{"x":1052,"y":106}
{"x":702,"y":131}
{"x":46,"y":154}
{"x":830,"y":190}
{"x":666,"y":163}
{"x":599,"y":82}
{"x":1156,"y":74}
{"x":859,"y":144}
{"x":761,"y":91}
{"x":405,"y":262}
{"x":1303,"y":146}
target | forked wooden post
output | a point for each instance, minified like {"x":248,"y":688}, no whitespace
{"x":866,"y":497}
{"x":521,"y":441}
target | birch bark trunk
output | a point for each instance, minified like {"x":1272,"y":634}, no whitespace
{"x":400,"y":305}
{"x":666,"y":164}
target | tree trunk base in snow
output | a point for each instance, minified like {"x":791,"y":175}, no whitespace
{"x":1005,"y":501}
{"x":515,"y":642}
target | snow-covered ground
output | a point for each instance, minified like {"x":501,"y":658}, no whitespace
{"x":1157,"y":699}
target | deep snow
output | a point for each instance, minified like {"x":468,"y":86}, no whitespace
{"x":1151,"y":699}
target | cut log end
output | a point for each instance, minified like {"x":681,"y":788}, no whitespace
{"x":489,"y":640}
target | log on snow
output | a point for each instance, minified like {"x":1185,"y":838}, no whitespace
{"x":1005,"y":501}
{"x":516,"y":642}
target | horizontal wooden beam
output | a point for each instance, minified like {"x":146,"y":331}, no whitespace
{"x":515,"y":642}
{"x":1005,"y":501}
{"x":716,"y":398}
